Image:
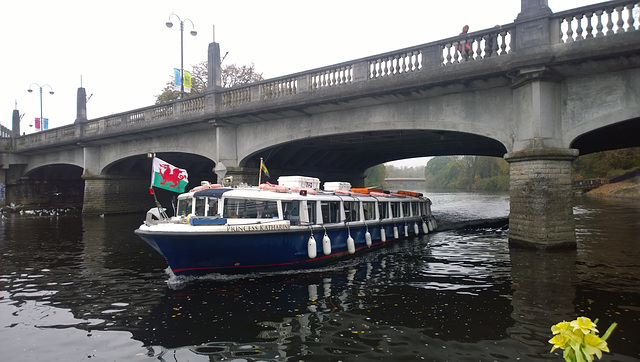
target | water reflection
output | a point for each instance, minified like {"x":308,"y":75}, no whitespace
{"x":543,"y":294}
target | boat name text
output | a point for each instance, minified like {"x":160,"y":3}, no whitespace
{"x":258,"y":227}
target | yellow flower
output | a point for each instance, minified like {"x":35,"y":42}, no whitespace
{"x":560,"y":327}
{"x":595,"y":345}
{"x":584,"y":324}
{"x":559,"y":341}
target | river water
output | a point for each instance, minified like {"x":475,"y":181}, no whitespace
{"x":78,"y":289}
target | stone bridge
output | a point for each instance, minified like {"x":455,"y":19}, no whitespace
{"x":538,"y":92}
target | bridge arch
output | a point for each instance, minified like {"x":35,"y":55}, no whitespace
{"x":56,"y":184}
{"x":132,"y":154}
{"x":69,"y":157}
{"x":352,"y":153}
{"x":617,"y":135}
{"x":601,"y":111}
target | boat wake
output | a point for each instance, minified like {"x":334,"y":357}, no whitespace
{"x":178,"y":282}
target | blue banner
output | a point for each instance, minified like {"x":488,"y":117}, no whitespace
{"x":177,"y":79}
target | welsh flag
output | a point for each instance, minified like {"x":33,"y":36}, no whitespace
{"x":166,"y":176}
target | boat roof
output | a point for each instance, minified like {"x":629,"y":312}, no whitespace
{"x":254,"y":192}
{"x":215,"y":192}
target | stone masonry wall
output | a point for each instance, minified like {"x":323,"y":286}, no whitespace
{"x":541,"y":203}
{"x":108,"y":195}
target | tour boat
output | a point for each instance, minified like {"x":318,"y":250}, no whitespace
{"x":291,"y":225}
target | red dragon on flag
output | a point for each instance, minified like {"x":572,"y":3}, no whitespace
{"x":166,"y":176}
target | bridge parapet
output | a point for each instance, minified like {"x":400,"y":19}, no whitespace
{"x":578,"y":24}
{"x":117,"y":123}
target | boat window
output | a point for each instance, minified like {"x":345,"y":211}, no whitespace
{"x":395,"y":209}
{"x":212,"y":206}
{"x":383,"y":207}
{"x":291,"y":211}
{"x":415,"y":207}
{"x":312,"y":212}
{"x":242,"y":208}
{"x":200,"y":205}
{"x":184,"y":207}
{"x":330,"y":212}
{"x":405,"y":209}
{"x":369,"y":208}
{"x":352,"y":210}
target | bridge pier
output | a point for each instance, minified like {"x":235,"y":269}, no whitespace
{"x":541,"y":199}
{"x":115,"y":195}
{"x":242,"y":175}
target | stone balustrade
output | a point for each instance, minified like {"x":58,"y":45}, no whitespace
{"x":599,"y":20}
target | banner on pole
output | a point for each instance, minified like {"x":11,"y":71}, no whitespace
{"x":187,"y":81}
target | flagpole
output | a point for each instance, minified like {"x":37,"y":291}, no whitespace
{"x":161,"y":211}
{"x":260,"y":173}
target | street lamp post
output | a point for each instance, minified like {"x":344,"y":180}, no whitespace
{"x":50,"y":92}
{"x":193,"y":33}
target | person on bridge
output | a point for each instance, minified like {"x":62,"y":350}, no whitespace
{"x":467,"y":46}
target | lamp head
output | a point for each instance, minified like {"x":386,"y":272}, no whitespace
{"x":29,"y":90}
{"x":50,"y":92}
{"x":194,"y":33}
{"x":169,"y":24}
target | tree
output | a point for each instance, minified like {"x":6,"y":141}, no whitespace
{"x":232,"y":75}
{"x":374,"y":176}
{"x":467,"y":173}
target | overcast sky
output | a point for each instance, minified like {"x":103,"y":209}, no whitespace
{"x":124,"y":53}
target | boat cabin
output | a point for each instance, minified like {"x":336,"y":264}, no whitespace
{"x":300,"y":208}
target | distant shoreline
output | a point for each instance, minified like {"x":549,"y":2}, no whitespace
{"x":618,"y":190}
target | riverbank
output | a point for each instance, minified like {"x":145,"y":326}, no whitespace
{"x":625,"y":190}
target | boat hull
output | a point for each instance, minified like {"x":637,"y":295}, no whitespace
{"x":198,"y":253}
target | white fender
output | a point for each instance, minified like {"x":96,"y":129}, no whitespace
{"x":416,"y":229}
{"x":351,"y":245}
{"x":435,"y":224}
{"x":406,"y":230}
{"x":311,"y":247}
{"x":430,"y":223}
{"x":367,"y":238}
{"x":383,"y":235}
{"x":326,"y":244}
{"x":395,"y":232}
{"x":425,"y":227}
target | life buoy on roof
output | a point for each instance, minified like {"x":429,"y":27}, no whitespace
{"x":308,"y":190}
{"x":271,"y":187}
{"x":343,"y":192}
{"x":375,"y":193}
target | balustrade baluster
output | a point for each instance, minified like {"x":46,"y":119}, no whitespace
{"x":599,"y":27}
{"x":456,"y":53}
{"x":569,"y":29}
{"x":630,"y":20}
{"x":609,"y":21}
{"x":589,"y":27}
{"x":579,"y":27}
{"x":620,"y":22}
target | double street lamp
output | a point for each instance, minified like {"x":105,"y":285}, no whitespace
{"x":194,"y":33}
{"x":50,"y":92}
